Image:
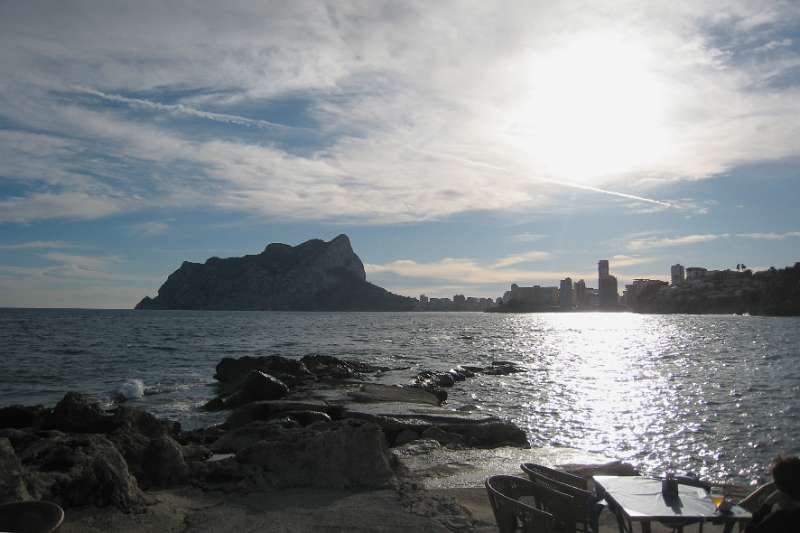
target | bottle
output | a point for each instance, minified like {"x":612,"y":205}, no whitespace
{"x":669,"y":486}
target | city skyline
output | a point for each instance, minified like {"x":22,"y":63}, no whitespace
{"x":462,"y":147}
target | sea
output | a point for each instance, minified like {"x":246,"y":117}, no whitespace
{"x":715,"y":395}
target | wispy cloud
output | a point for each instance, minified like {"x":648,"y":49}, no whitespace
{"x":467,"y":271}
{"x":628,"y":260}
{"x":149,"y":229}
{"x":527,"y":237}
{"x":770,"y":236}
{"x":667,"y":242}
{"x":526,"y":257}
{"x":36,"y":245}
{"x":411,"y":120}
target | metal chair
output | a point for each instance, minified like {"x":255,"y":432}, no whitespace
{"x":587,"y":506}
{"x":30,"y":517}
{"x":520,"y":505}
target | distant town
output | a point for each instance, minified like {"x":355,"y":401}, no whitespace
{"x":690,"y":290}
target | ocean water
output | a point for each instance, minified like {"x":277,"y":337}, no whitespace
{"x":716,"y":395}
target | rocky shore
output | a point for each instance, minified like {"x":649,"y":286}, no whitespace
{"x":310,"y":433}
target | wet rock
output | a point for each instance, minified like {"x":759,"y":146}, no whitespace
{"x":233,"y":371}
{"x":195,"y":452}
{"x":139,"y":421}
{"x":612,"y":468}
{"x":79,"y":413}
{"x":439,"y":393}
{"x":269,"y":409}
{"x":164,"y":465}
{"x":306,"y":418}
{"x":344,"y":454}
{"x":21,"y":416}
{"x":490,"y":434}
{"x":329,"y":367}
{"x":12,"y":480}
{"x":257,"y":386}
{"x":370,"y":392}
{"x":457,"y":376}
{"x":217,"y":470}
{"x":503,"y":368}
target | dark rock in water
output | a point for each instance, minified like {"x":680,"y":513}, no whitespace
{"x":233,"y":371}
{"x":79,"y":413}
{"x":139,"y":421}
{"x":490,"y":434}
{"x":257,"y":386}
{"x":270,"y":409}
{"x":12,"y":480}
{"x":503,"y":368}
{"x":315,"y":275}
{"x":21,"y":416}
{"x":405,"y":437}
{"x":329,"y":367}
{"x":613,"y":468}
{"x":343,"y":454}
{"x":306,"y":418}
{"x":164,"y":465}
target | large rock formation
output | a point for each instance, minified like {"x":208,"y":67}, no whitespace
{"x":315,"y":275}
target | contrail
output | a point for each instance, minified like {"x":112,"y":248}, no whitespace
{"x":186,"y":110}
{"x":472,"y":162}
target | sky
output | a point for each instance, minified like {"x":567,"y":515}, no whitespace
{"x":462,"y":146}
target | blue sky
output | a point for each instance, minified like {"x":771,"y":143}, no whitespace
{"x":463,"y":146}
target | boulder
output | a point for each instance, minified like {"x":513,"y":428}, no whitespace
{"x":144,"y":423}
{"x":234,"y":371}
{"x":344,"y":454}
{"x":12,"y":480}
{"x":371,"y":392}
{"x":405,"y":436}
{"x":164,"y":465}
{"x":445,"y":438}
{"x":89,"y":470}
{"x":490,"y":434}
{"x":79,"y":413}
{"x":329,"y":367}
{"x":257,"y":386}
{"x":265,"y":410}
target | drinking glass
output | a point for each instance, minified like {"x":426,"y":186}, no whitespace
{"x":717,"y":496}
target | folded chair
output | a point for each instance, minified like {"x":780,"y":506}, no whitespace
{"x":520,"y":505}
{"x":587,"y":506}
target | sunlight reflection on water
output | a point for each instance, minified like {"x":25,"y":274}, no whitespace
{"x":714,"y":394}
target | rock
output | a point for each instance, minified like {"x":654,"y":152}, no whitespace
{"x":79,"y":413}
{"x":139,"y":421}
{"x":503,"y":368}
{"x":370,"y":392}
{"x":195,"y":452}
{"x":457,"y":376}
{"x":265,"y":410}
{"x":234,"y":371}
{"x":246,"y":436}
{"x":329,"y":367}
{"x":492,"y":434}
{"x":257,"y":386}
{"x":445,"y":438}
{"x":214,"y":470}
{"x":95,"y":473}
{"x":12,"y":480}
{"x":405,"y":437}
{"x":306,"y":418}
{"x":613,"y":468}
{"x":344,"y":454}
{"x":315,"y":275}
{"x":164,"y":465}
{"x":439,"y":393}
{"x":21,"y":416}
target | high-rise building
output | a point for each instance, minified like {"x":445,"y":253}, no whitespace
{"x":581,"y":296}
{"x":609,"y":298}
{"x":565,"y":294}
{"x":677,"y":274}
{"x":602,"y":268}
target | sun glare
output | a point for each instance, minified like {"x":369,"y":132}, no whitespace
{"x":595,"y":108}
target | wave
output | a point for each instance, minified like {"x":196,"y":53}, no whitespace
{"x":132,"y":389}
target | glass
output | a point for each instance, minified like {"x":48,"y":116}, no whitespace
{"x":717,"y":496}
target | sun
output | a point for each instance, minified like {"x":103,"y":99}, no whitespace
{"x":595,"y":107}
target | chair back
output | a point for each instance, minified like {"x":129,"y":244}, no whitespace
{"x":520,"y":505}
{"x":30,"y":517}
{"x":557,"y":475}
{"x":583,"y":501}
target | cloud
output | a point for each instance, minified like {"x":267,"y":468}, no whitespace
{"x":36,"y":245}
{"x":83,"y":264}
{"x":466,"y":271}
{"x":667,"y":242}
{"x":627,"y":260}
{"x":149,"y":229}
{"x":527,"y":237}
{"x":770,"y":236}
{"x":76,"y":205}
{"x":533,"y":255}
{"x":417,"y":110}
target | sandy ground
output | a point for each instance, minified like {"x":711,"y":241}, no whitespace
{"x":448,"y":496}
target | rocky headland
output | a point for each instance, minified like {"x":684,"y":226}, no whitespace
{"x":312,"y":276}
{"x":306,"y":432}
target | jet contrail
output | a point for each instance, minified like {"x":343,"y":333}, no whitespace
{"x":185,"y":110}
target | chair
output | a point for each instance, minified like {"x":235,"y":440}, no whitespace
{"x":30,"y":517}
{"x":520,"y":505}
{"x":587,"y":506}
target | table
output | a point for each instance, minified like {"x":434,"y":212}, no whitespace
{"x":639,"y":499}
